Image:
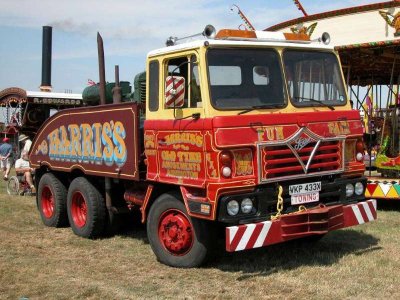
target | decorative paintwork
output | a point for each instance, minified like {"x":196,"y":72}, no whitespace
{"x":388,"y":189}
{"x":301,"y":29}
{"x":101,"y":140}
{"x":393,"y":20}
{"x":373,"y":24}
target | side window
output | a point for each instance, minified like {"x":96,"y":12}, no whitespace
{"x":184,"y":70}
{"x":154,"y":74}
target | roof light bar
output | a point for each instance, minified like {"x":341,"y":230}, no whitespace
{"x":209,"y":32}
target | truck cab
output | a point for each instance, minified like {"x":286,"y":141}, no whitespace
{"x":233,"y":118}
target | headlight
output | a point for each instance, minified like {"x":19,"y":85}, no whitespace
{"x":226,"y":172}
{"x":349,"y":190}
{"x":246,"y":205}
{"x":359,"y":188}
{"x":232,"y":208}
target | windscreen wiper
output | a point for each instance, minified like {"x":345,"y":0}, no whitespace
{"x":257,"y":107}
{"x":316,"y":101}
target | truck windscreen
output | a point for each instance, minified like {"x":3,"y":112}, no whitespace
{"x":313,"y":78}
{"x":245,"y":78}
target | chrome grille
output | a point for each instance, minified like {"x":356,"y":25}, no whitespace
{"x":302,"y":155}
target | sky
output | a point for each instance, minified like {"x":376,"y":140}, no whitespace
{"x":130,"y":29}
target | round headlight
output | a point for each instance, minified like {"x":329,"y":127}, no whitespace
{"x":359,"y":188}
{"x":246,"y":205}
{"x":232,"y":208}
{"x":226,"y":172}
{"x":359,"y":156}
{"x":349,"y":190}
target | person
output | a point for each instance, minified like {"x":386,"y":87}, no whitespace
{"x":27,"y":142}
{"x":23,"y":167}
{"x":5,"y":157}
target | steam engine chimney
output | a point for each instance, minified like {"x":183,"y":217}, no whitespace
{"x":46,"y":59}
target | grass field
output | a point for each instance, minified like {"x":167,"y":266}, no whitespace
{"x":38,"y":262}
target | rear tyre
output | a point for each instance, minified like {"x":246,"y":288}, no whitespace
{"x":86,"y":209}
{"x":176,"y":239}
{"x":13,"y":185}
{"x":52,"y":201}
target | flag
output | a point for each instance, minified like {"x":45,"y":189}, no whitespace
{"x":90,"y":82}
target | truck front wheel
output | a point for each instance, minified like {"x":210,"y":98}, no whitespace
{"x":52,"y":201}
{"x":86,"y":209}
{"x":176,"y":239}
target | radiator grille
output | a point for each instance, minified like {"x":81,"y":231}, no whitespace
{"x":299,"y":157}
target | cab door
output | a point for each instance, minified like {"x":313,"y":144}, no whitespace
{"x":174,"y":136}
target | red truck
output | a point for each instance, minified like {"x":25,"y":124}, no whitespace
{"x":251,"y":131}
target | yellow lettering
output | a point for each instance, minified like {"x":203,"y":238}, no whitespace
{"x":75,"y":136}
{"x":96,"y":127}
{"x":87,"y":141}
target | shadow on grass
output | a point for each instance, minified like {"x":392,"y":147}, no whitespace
{"x":294,"y":254}
{"x":131,"y":227}
{"x":389,"y":205}
{"x":285,"y":256}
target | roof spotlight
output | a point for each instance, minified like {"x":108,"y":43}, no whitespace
{"x":325,"y":38}
{"x":208,"y":32}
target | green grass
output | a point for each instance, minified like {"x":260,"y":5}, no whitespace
{"x":47,"y":263}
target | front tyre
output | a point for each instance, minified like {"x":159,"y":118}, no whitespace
{"x":86,"y":209}
{"x":176,"y":239}
{"x":52,"y":201}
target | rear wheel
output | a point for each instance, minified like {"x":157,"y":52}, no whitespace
{"x":52,"y":201}
{"x":13,"y":185}
{"x":176,"y":239}
{"x":86,"y":209}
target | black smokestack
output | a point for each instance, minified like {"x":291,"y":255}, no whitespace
{"x":46,"y":59}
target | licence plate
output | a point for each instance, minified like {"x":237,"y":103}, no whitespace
{"x":304,"y":188}
{"x":304,"y":193}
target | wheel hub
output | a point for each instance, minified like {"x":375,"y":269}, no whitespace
{"x":47,"y":199}
{"x":175,"y":232}
{"x":79,"y":209}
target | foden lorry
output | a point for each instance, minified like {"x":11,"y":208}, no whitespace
{"x":247,"y":131}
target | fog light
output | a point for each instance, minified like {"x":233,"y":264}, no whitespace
{"x":232,"y":208}
{"x":349,"y":190}
{"x":226,"y":172}
{"x":359,"y":188}
{"x":246,"y":205}
{"x":359,"y":156}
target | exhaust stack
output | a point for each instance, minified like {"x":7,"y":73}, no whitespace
{"x":46,"y":59}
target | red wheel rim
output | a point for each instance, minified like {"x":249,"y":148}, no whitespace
{"x":47,"y":202}
{"x":175,"y":232}
{"x":78,"y":209}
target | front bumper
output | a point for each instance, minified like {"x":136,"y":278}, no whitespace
{"x":315,"y":221}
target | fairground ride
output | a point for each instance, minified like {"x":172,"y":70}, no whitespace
{"x":368,"y":41}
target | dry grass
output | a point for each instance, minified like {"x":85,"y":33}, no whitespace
{"x":46,"y":263}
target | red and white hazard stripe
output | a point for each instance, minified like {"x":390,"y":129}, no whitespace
{"x":175,"y":91}
{"x":359,"y":213}
{"x":249,"y":236}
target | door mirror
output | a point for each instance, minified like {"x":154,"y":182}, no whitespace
{"x":174,"y":91}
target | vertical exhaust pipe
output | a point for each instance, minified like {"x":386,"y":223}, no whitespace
{"x":102,"y":69}
{"x":46,"y":59}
